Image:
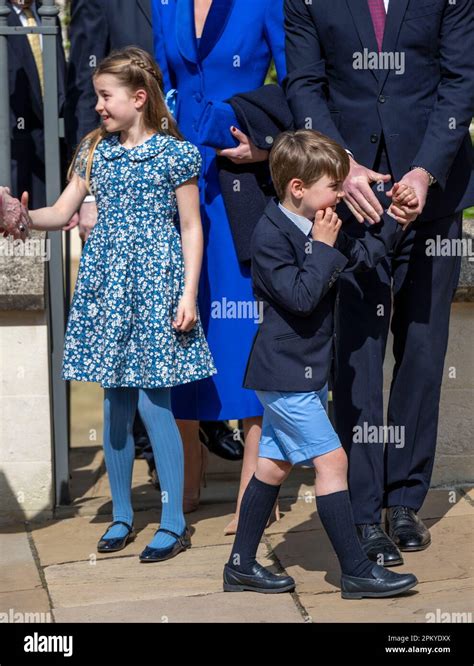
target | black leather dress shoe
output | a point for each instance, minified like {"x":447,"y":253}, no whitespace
{"x":259,"y":580}
{"x":383,"y":584}
{"x":219,"y":439}
{"x":182,"y":542}
{"x":375,"y":543}
{"x":117,"y":543}
{"x":406,"y":529}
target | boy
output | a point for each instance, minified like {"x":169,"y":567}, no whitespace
{"x":295,"y":264}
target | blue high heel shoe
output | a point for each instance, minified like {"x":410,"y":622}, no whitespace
{"x":116,"y":543}
{"x":183,"y":541}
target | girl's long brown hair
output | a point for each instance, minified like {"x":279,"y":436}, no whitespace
{"x":135,"y":69}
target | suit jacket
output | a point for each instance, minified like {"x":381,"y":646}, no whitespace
{"x":423,"y":112}
{"x":26,"y":113}
{"x":293,"y":278}
{"x":97,"y":28}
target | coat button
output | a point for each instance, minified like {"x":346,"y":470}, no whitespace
{"x":374,"y":138}
{"x":382,"y":99}
{"x":198,"y":97}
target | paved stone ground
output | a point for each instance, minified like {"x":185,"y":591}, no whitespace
{"x":53,"y":567}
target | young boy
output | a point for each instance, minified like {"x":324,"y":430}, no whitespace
{"x":295,"y":264}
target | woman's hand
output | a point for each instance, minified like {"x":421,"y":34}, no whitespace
{"x":186,"y":317}
{"x":246,"y":152}
{"x":14,"y":216}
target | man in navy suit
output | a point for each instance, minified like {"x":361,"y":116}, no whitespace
{"x":26,"y":102}
{"x":393,"y":82}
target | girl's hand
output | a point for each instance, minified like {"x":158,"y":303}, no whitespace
{"x":245,"y":153}
{"x":186,"y":317}
{"x":14,"y":216}
{"x":326,"y":226}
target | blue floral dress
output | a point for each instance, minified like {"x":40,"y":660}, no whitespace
{"x":131,"y":274}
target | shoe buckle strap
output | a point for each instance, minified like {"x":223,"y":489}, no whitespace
{"x":121,"y":522}
{"x":179,"y":538}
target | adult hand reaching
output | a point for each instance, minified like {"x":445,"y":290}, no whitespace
{"x":246,"y":152}
{"x":359,"y":196}
{"x":14,"y":217}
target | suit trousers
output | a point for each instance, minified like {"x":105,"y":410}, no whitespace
{"x":413,"y":289}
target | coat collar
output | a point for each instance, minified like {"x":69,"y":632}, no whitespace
{"x":215,"y":25}
{"x":363,"y":22}
{"x":283,"y":222}
{"x":111,"y":148}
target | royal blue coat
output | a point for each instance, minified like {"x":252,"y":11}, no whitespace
{"x":239,"y":39}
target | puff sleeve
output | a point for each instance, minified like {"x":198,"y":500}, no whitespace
{"x":185,"y":163}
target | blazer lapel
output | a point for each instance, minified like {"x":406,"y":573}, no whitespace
{"x":365,"y":28}
{"x":395,"y":14}
{"x":287,"y":226}
{"x":216,"y":22}
{"x":185,"y":30}
{"x":145,"y":7}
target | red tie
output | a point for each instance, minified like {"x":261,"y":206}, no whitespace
{"x":377,"y":12}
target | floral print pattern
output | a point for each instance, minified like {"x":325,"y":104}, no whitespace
{"x":131,"y":274}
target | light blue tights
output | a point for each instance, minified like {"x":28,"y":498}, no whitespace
{"x":154,"y":405}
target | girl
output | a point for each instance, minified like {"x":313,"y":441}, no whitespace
{"x":134,"y":325}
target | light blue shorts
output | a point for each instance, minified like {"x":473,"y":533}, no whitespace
{"x":296,"y":426}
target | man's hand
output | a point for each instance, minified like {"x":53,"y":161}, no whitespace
{"x":419,"y":180}
{"x":326,"y":226}
{"x":246,"y":152}
{"x":359,"y":196}
{"x":87,"y":219}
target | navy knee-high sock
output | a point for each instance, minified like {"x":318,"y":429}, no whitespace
{"x":335,"y":512}
{"x":154,"y":406}
{"x":120,"y":405}
{"x":255,"y":509}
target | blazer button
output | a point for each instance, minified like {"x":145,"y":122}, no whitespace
{"x":374,"y":138}
{"x":382,"y":99}
{"x":198,"y":97}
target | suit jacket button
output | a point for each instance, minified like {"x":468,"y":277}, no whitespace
{"x":374,"y":138}
{"x":382,"y":99}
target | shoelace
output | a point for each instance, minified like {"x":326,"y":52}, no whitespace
{"x":401,"y":511}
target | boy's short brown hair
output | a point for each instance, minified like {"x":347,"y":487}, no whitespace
{"x":308,"y":155}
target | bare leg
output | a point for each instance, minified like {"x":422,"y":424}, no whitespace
{"x":331,"y":472}
{"x":195,"y":460}
{"x":252,"y":434}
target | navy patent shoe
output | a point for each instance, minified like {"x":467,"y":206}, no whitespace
{"x":117,"y":543}
{"x":183,"y":541}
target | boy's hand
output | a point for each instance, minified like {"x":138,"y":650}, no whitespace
{"x":326,"y":226}
{"x":14,"y":217}
{"x":405,"y":203}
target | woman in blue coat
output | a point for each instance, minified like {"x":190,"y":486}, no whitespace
{"x":211,"y":50}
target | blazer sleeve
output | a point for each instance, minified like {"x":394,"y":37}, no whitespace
{"x":159,"y":44}
{"x":275,"y":36}
{"x":277,"y":276}
{"x":451,"y":116}
{"x":306,"y":72}
{"x":89,"y":36}
{"x":366,"y":252}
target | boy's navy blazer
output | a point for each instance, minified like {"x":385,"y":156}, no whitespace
{"x":292,"y":277}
